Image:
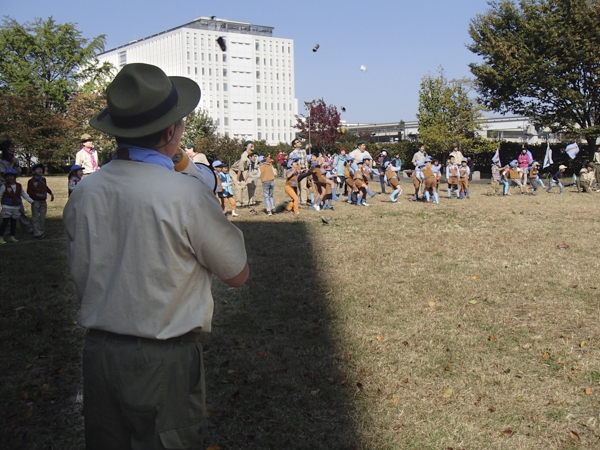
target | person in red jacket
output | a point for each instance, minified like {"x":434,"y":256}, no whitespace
{"x":38,"y":190}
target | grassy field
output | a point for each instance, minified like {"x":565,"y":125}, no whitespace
{"x":397,"y":326}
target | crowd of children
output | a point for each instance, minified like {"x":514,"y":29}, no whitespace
{"x":327,"y":179}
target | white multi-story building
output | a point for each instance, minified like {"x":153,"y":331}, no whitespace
{"x":247,"y":89}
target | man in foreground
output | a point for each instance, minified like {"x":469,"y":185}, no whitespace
{"x":142,"y":251}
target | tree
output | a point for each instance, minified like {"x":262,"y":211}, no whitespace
{"x":45,"y":70}
{"x":198,"y":125}
{"x":541,"y":59}
{"x":51,"y":58}
{"x":448,"y":115}
{"x":324,"y":126}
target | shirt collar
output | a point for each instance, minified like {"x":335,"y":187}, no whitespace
{"x":145,"y":155}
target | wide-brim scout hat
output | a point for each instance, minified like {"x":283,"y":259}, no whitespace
{"x":85,"y":137}
{"x":143,"y":100}
{"x":561,"y":167}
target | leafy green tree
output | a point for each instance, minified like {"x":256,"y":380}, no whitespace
{"x":448,"y":115}
{"x":541,"y":59}
{"x":50,"y":84}
{"x":228,"y":149}
{"x":53,"y":59}
{"x":198,"y":126}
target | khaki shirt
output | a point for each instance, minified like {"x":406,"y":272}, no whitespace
{"x":144,"y":243}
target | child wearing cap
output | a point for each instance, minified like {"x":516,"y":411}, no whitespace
{"x":11,"y":193}
{"x":496,"y":177}
{"x":369,"y":172}
{"x":534,"y":178}
{"x":75,"y":176}
{"x":38,"y":190}
{"x":555,"y":181}
{"x":585,"y":180}
{"x":417,"y":178}
{"x":359,"y":182}
{"x":391,"y":175}
{"x":430,"y":181}
{"x":515,"y":176}
{"x":452,"y":176}
{"x":225,"y":181}
{"x":349,"y":175}
{"x":267,"y":174}
{"x":291,"y":185}
{"x":463,"y":178}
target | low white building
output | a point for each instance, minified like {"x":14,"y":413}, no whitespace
{"x":248,"y":89}
{"x":504,"y":128}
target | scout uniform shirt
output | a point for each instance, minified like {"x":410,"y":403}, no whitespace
{"x":452,"y":173}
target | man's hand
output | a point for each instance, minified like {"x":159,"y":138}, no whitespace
{"x":51,"y":197}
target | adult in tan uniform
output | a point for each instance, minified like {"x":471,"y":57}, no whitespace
{"x":144,"y":243}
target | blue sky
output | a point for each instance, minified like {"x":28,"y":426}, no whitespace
{"x":399,"y":42}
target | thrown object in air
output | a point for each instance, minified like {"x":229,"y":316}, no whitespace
{"x":363,"y":68}
{"x":316,"y":47}
{"x":221,"y":42}
{"x":325,"y":220}
{"x":343,"y":109}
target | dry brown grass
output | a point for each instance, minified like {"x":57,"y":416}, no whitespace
{"x":397,"y":326}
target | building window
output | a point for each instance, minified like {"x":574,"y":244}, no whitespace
{"x":277,"y":106}
{"x":259,"y":122}
{"x":272,"y":123}
{"x":188,"y":55}
{"x":122,"y":58}
{"x":257,"y":75}
{"x":257,"y":105}
{"x":217,"y":86}
{"x":258,"y":61}
{"x":226,"y":121}
{"x":195,"y":56}
{"x":225,"y":86}
{"x":224,"y":72}
{"x":271,"y":62}
{"x":224,"y":58}
{"x":272,"y":136}
{"x":272,"y":109}
{"x":195,"y":70}
{"x":218,"y":104}
{"x":277,"y":76}
{"x":203,"y":71}
{"x":202,"y":56}
{"x":258,"y":88}
{"x":259,"y":136}
{"x":209,"y":57}
{"x":210,"y":71}
{"x":256,"y":46}
{"x":225,"y":104}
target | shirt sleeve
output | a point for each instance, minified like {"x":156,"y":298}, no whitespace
{"x":23,"y":194}
{"x":218,"y":244}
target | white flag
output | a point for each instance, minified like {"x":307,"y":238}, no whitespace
{"x":496,"y":157}
{"x":548,"y":157}
{"x":572,"y":150}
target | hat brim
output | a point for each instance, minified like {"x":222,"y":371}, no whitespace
{"x":188,"y":93}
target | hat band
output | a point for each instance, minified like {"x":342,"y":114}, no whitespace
{"x":148,"y":116}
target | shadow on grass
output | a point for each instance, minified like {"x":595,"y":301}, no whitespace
{"x":40,"y":345}
{"x":271,"y":360}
